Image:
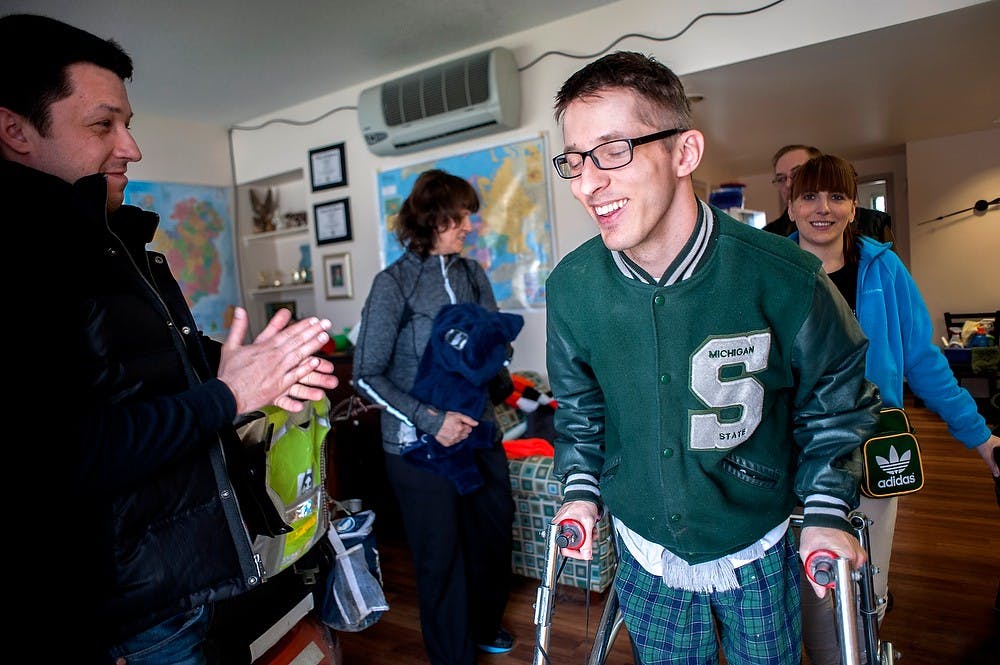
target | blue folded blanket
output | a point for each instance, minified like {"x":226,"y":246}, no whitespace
{"x":469,"y":345}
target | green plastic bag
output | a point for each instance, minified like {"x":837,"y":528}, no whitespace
{"x":295,"y":473}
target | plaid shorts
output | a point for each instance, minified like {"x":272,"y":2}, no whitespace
{"x":758,"y":624}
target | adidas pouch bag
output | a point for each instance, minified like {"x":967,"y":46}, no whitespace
{"x":892,"y":458}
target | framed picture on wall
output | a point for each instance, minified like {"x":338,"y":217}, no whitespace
{"x":333,"y":221}
{"x":271,"y":308}
{"x":337,"y":276}
{"x":327,"y":167}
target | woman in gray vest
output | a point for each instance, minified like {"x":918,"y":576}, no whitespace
{"x":461,"y":543}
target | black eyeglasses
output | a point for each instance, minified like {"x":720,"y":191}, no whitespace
{"x":780,"y":179}
{"x":611,"y":155}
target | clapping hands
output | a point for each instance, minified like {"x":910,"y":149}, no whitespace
{"x":278,"y":367}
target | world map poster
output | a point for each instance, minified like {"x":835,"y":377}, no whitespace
{"x":196,"y":235}
{"x":512,"y":232}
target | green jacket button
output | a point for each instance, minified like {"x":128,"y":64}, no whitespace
{"x":664,"y":379}
{"x":676,"y":517}
{"x":659,"y":300}
{"x":668,"y":452}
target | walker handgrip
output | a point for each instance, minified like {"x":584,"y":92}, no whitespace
{"x":570,"y":535}
{"x":820,"y":568}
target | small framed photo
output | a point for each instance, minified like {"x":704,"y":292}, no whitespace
{"x":271,"y":308}
{"x":337,"y":274}
{"x":333,"y":221}
{"x":327,"y":167}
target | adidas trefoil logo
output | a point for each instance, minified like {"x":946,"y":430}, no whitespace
{"x":895,"y":464}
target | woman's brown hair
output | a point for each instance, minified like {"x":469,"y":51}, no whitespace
{"x":437,"y":202}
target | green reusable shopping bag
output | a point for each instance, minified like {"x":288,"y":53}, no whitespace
{"x":295,"y":472}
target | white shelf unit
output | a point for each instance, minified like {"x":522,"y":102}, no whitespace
{"x":283,"y":289}
{"x":273,"y":256}
{"x":274,"y":235}
{"x":754,"y":218}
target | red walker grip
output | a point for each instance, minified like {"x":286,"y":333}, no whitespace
{"x":820,"y":567}
{"x":570,"y":535}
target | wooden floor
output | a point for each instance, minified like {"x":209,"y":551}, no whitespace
{"x":944,"y":577}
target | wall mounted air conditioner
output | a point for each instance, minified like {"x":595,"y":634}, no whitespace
{"x":473,"y":96}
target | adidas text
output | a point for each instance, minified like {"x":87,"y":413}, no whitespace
{"x":896,"y":481}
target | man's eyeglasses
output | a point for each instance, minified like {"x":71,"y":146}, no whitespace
{"x":781,"y":179}
{"x":606,"y":156}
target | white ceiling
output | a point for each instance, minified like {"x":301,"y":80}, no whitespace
{"x":859,"y":97}
{"x":266,"y":55}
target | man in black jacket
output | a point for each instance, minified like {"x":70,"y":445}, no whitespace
{"x":137,"y":523}
{"x":785,"y":163}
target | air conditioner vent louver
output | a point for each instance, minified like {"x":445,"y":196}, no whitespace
{"x":473,"y":96}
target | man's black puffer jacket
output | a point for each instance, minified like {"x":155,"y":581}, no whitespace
{"x":154,"y":526}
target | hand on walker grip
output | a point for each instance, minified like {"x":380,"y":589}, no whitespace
{"x":821,"y":568}
{"x":571,"y":536}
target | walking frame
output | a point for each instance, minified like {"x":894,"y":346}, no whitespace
{"x":854,"y":597}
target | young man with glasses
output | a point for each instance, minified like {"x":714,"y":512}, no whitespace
{"x":698,"y":404}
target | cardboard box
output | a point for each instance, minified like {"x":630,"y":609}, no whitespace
{"x":307,"y":642}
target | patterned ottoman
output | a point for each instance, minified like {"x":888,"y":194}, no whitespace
{"x":537,"y":496}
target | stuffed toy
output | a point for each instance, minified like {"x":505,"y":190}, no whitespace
{"x":527,"y":397}
{"x":521,"y":448}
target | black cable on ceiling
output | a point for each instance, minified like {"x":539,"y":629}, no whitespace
{"x":303,"y":123}
{"x":649,"y":37}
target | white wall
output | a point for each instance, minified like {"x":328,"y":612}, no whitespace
{"x":954,"y":260}
{"x":710,"y":43}
{"x":182,"y":152}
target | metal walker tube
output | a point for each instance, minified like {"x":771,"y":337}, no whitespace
{"x":545,"y":595}
{"x":866,"y":590}
{"x":846,"y":613}
{"x":850,"y":603}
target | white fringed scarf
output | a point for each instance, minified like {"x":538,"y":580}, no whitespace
{"x":717,"y":575}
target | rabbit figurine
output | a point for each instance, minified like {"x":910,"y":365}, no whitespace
{"x":264,"y":211}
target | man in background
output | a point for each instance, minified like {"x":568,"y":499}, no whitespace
{"x":786,"y":161}
{"x":126,"y":509}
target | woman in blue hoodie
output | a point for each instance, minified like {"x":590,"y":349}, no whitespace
{"x":891,"y":312}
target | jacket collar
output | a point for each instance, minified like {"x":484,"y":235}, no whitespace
{"x":870,"y":247}
{"x":33,"y":183}
{"x":133,"y":225}
{"x":690,"y":258}
{"x":87,"y":197}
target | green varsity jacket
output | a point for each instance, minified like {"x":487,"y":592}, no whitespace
{"x":696,"y":412}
